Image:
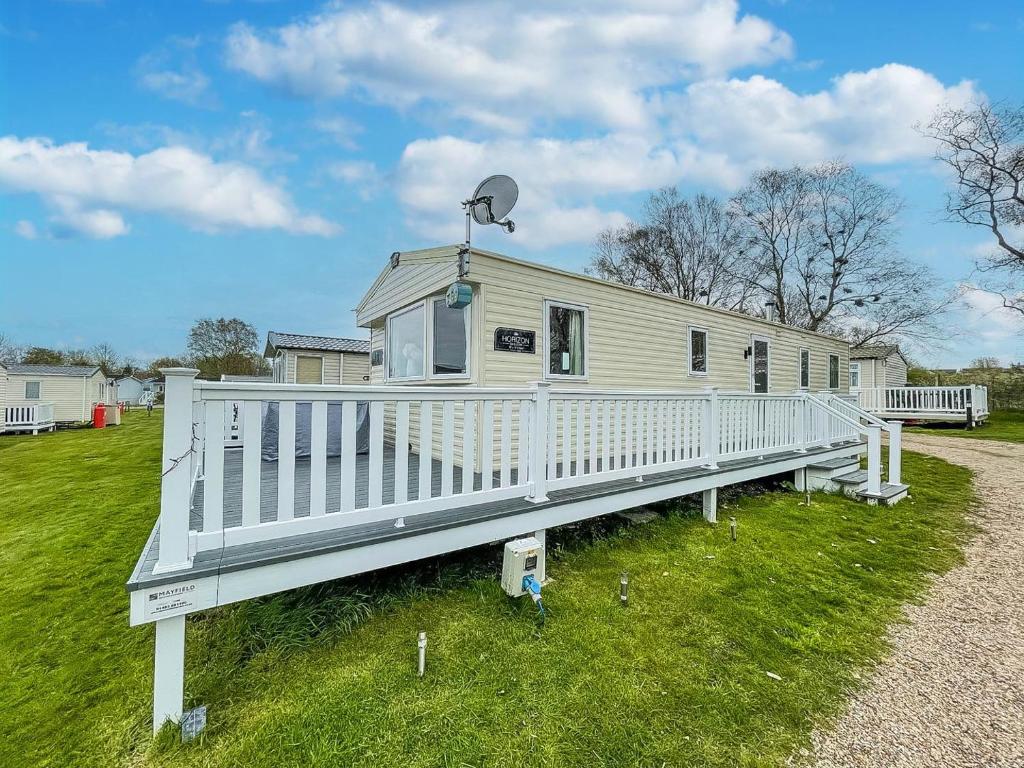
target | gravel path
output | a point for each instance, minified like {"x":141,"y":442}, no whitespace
{"x":951,"y":693}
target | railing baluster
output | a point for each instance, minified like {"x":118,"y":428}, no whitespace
{"x":317,"y":460}
{"x":347,"y":476}
{"x":567,"y":410}
{"x":448,"y":446}
{"x":401,"y":452}
{"x":487,"y":445}
{"x":426,"y":457}
{"x":629,"y":435}
{"x":592,"y":466}
{"x":581,"y":428}
{"x":606,"y":435}
{"x":553,"y":409}
{"x":506,"y":443}
{"x":213,"y":484}
{"x":375,"y":490}
{"x":251,"y":468}
{"x":285,"y":458}
{"x":468,"y":445}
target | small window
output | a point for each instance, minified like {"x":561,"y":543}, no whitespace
{"x":566,"y":335}
{"x":309,"y":369}
{"x":32,"y":390}
{"x":854,"y":374}
{"x":698,"y":352}
{"x":450,"y":339}
{"x":833,"y":371}
{"x":805,"y":369}
{"x":406,"y":344}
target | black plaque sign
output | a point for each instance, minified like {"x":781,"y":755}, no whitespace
{"x":515,"y":340}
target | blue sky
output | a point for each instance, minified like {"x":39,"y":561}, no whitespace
{"x":161,"y":162}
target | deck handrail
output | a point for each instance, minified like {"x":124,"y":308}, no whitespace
{"x":384,"y":453}
{"x":961,"y":400}
{"x":29,"y":415}
{"x":894,"y":428}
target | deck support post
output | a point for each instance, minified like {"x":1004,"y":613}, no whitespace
{"x":542,"y":566}
{"x":895,"y":451}
{"x":711,"y":505}
{"x":711,"y":436}
{"x":802,"y":419}
{"x":176,"y":475}
{"x":168,"y":671}
{"x":874,"y":459}
{"x":539,"y":443}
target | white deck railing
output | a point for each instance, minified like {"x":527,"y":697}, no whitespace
{"x":28,"y":416}
{"x":925,"y":401}
{"x":502,"y":443}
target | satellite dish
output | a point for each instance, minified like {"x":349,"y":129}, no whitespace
{"x":493,"y":200}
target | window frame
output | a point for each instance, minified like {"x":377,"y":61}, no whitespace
{"x":311,"y":357}
{"x":429,"y":371}
{"x":427,"y":304}
{"x":768,"y":372}
{"x":853,"y":366}
{"x":585,"y":309}
{"x":800,"y":368}
{"x":689,"y":351}
{"x":839,"y":371}
{"x":39,"y":390}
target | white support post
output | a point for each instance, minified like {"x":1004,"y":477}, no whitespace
{"x":542,"y":567}
{"x":803,"y":404}
{"x":176,"y":481}
{"x":711,"y":436}
{"x":895,"y":451}
{"x":874,"y":459}
{"x":168,"y":671}
{"x":539,"y":443}
{"x":711,"y":505}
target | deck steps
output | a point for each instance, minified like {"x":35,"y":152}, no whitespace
{"x":844,"y":475}
{"x":889,"y":494}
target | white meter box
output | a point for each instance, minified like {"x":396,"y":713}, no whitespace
{"x":522,"y":557}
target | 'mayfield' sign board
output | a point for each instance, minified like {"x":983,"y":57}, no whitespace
{"x":515,"y":340}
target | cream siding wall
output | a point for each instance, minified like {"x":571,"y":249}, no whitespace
{"x":355,"y":365}
{"x":73,"y":397}
{"x":3,"y":397}
{"x":636,"y":340}
{"x":415,"y":277}
{"x":895,"y":371}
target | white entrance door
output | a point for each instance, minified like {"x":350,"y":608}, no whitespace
{"x":760,"y":360}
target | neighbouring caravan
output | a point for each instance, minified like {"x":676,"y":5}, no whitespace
{"x":877,"y":365}
{"x":301,"y":359}
{"x":520,"y":322}
{"x":73,"y":390}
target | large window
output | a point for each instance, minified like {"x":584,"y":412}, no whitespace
{"x":805,"y":369}
{"x":450,"y":335}
{"x":406,"y":344}
{"x":32,"y":390}
{"x":429,"y":340}
{"x":565,"y":329}
{"x":854,"y":374}
{"x":698,"y":352}
{"x":833,"y":371}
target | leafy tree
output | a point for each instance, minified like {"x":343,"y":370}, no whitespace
{"x":985,"y":362}
{"x":43,"y":356}
{"x":221,"y":345}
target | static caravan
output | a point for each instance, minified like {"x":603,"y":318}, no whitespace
{"x":3,"y":397}
{"x":877,"y":365}
{"x":301,"y":359}
{"x":130,"y":389}
{"x":521,"y":322}
{"x":71,"y":390}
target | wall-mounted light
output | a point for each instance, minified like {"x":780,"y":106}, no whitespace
{"x":747,"y":352}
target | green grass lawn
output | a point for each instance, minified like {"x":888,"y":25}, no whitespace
{"x":1001,"y":425}
{"x":326,"y":675}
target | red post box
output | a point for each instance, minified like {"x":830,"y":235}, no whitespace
{"x":99,"y":416}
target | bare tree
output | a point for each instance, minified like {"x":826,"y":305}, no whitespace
{"x":10,"y":352}
{"x":984,"y":146}
{"x":985,"y":362}
{"x":106,"y":357}
{"x":686,"y":247}
{"x":819,"y":246}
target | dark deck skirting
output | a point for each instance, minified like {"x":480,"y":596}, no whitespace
{"x":246,"y":556}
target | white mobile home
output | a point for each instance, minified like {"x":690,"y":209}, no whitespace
{"x":526,"y":322}
{"x":877,"y":365}
{"x":72,"y":390}
{"x":130,"y":389}
{"x":302,"y":359}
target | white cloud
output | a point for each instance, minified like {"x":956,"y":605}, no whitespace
{"x":26,"y":229}
{"x":361,"y":174}
{"x":992,"y":328}
{"x":173,"y":72}
{"x":865,"y":117}
{"x":89,"y":189}
{"x":342,"y":130}
{"x":505,"y":65}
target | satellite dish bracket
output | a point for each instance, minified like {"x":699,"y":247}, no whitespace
{"x":484,"y":200}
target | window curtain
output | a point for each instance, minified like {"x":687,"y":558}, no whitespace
{"x":576,"y":343}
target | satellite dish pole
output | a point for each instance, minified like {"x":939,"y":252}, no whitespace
{"x":491,"y":203}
